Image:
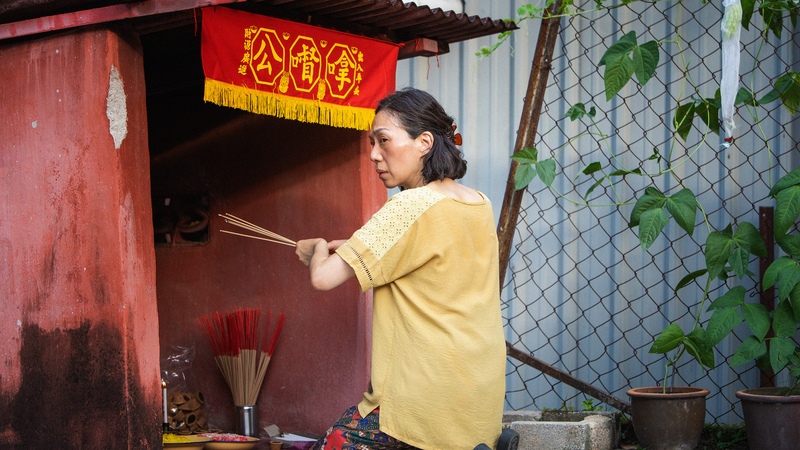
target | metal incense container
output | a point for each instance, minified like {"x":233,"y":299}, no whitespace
{"x":246,"y":420}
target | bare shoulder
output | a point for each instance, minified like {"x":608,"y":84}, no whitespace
{"x":455,"y":190}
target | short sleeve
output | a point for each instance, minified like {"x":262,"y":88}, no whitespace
{"x":365,"y":250}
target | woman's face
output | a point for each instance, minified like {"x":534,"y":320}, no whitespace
{"x":397,"y":156}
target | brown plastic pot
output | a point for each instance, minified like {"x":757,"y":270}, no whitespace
{"x":771,"y":419}
{"x":671,"y":421}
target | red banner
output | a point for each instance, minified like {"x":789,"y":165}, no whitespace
{"x":295,"y":71}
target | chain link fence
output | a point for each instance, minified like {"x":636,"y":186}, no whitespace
{"x":580,"y":293}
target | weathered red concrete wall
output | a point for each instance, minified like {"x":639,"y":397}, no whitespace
{"x":298,"y":180}
{"x":79,"y":325}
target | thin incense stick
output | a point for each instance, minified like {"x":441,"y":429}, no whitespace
{"x":233,"y":220}
{"x":259,"y":238}
{"x":244,"y":223}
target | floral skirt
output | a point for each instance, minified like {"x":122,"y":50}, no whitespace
{"x":353,"y":432}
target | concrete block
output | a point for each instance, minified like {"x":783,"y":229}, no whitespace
{"x":565,"y":430}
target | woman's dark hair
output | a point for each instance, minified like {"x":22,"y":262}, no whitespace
{"x":417,"y":111}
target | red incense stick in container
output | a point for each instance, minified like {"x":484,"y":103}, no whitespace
{"x":233,"y":338}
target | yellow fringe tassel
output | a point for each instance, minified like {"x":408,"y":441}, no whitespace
{"x":284,"y":106}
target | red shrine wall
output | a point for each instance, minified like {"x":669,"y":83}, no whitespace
{"x":79,"y":325}
{"x":300,"y":181}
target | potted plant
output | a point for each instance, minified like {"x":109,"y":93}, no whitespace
{"x":673,"y":417}
{"x":771,"y":413}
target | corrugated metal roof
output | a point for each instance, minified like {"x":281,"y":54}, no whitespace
{"x":405,"y":19}
{"x":391,"y":20}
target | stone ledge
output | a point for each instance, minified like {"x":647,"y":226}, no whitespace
{"x":565,"y":430}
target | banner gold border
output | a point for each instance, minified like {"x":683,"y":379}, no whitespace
{"x":286,"y":107}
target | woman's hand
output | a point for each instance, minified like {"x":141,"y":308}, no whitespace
{"x":333,"y":245}
{"x":305,"y":249}
{"x":327,"y":270}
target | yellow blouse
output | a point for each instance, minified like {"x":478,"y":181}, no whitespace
{"x":438,"y":349}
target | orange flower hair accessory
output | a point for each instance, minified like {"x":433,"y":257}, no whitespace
{"x":455,"y":137}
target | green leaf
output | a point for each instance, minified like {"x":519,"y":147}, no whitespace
{"x":787,"y":209}
{"x":623,"y":172}
{"x":528,"y":155}
{"x":719,"y":248}
{"x":697,"y":345}
{"x":547,"y":171}
{"x":750,"y":349}
{"x":790,"y":92}
{"x":763,"y":362}
{"x":616,"y":76}
{"x":783,"y":323}
{"x":645,"y":61}
{"x":788,"y":278}
{"x":684,"y":115}
{"x":748,"y":236}
{"x":728,"y":231}
{"x":722,"y":322}
{"x":779,"y":350}
{"x":794,"y":299}
{"x":790,"y":243}
{"x":619,"y":49}
{"x":748,"y":7}
{"x":651,"y":223}
{"x":576,"y":111}
{"x":757,"y":318}
{"x":528,"y":10}
{"x":776,"y":267}
{"x":772,"y":20}
{"x":593,"y":187}
{"x":683,"y":207}
{"x":739,"y":260}
{"x":787,"y":88}
{"x":689,"y":278}
{"x":794,"y":358}
{"x":652,"y":199}
{"x":731,"y":299}
{"x":744,"y":96}
{"x":709,"y":114}
{"x":790,"y":179}
{"x":592,"y":168}
{"x":523,"y":176}
{"x":668,"y":340}
{"x":655,"y":156}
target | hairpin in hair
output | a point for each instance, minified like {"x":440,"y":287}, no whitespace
{"x":455,"y":137}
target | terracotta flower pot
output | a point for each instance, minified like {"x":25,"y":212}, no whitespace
{"x":671,"y":421}
{"x":772,"y":420}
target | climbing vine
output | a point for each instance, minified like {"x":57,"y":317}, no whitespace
{"x":727,"y":252}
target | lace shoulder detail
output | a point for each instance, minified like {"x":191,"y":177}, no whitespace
{"x":392,"y":221}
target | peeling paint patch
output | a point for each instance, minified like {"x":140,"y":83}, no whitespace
{"x":34,"y":123}
{"x":116,"y":108}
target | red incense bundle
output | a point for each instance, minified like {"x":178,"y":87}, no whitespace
{"x":233,"y":338}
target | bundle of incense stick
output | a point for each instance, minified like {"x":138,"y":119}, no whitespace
{"x":271,"y":237}
{"x":233,"y":338}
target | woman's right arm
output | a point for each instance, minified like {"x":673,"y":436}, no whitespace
{"x":327,"y":270}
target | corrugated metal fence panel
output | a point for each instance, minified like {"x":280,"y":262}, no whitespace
{"x":552,"y":314}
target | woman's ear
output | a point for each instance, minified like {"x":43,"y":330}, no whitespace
{"x":426,"y":142}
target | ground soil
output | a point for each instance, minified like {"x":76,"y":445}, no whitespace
{"x":714,"y":437}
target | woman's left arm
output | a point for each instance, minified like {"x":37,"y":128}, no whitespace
{"x":327,"y":270}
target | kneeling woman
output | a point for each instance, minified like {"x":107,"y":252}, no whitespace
{"x":431,"y":256}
